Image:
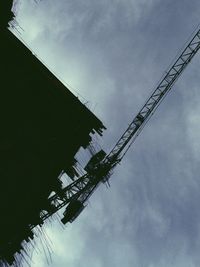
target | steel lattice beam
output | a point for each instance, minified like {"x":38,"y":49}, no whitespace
{"x":83,"y":187}
{"x":159,"y":93}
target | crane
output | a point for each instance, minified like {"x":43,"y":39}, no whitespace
{"x":100,"y":167}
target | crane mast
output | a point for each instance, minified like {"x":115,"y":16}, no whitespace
{"x":76,"y":194}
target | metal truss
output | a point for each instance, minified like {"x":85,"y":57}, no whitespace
{"x":155,"y":99}
{"x":82,"y":188}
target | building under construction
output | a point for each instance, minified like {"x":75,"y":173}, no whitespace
{"x":43,"y":125}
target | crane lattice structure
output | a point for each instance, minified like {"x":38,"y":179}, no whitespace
{"x":100,"y":167}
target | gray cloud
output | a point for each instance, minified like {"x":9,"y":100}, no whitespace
{"x":113,"y":53}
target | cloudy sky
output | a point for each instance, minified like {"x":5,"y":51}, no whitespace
{"x":113,"y":53}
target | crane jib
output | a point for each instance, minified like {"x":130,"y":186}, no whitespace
{"x":157,"y":96}
{"x":99,"y":169}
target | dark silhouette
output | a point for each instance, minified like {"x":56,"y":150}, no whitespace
{"x":43,"y":125}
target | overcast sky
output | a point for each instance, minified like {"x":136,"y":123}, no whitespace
{"x":113,"y":53}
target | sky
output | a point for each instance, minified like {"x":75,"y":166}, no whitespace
{"x":112,"y":53}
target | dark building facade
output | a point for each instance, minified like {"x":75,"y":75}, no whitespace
{"x":43,"y":125}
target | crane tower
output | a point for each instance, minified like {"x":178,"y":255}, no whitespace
{"x":74,"y":196}
{"x":101,"y":165}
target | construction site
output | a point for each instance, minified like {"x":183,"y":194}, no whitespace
{"x":44,"y":126}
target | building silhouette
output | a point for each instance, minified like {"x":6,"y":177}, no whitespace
{"x":43,"y":125}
